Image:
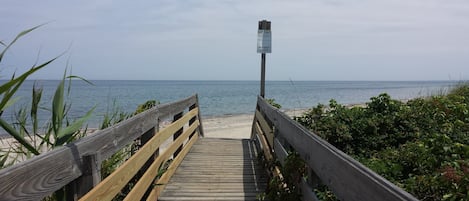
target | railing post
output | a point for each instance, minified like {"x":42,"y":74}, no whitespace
{"x":263,"y":75}
{"x":191,"y":121}
{"x":90,"y":178}
{"x":313,"y":179}
{"x":157,"y":129}
{"x":143,"y":140}
{"x":178,"y":133}
{"x":200,"y":128}
{"x":147,"y":136}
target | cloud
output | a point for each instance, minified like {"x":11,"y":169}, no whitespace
{"x":110,"y":36}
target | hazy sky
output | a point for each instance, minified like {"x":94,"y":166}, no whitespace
{"x":216,"y":40}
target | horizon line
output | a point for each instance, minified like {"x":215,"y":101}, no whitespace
{"x":289,"y":80}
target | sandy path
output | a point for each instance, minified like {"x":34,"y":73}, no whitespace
{"x":233,"y":126}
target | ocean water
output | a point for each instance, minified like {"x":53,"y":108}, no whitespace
{"x":217,"y":98}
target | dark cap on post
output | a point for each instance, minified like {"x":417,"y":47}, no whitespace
{"x":264,"y":25}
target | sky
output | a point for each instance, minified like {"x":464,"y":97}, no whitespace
{"x":216,"y":39}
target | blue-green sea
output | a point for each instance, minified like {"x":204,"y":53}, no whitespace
{"x":217,"y":98}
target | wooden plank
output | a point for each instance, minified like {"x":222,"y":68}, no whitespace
{"x":255,"y":140}
{"x":201,"y":127}
{"x":178,"y":132}
{"x":217,"y":195}
{"x":200,"y":189}
{"x":280,"y":152}
{"x":253,"y":130}
{"x":167,"y":132}
{"x":217,"y":178}
{"x":143,"y":140}
{"x":210,"y":180}
{"x":106,"y":142}
{"x":307,"y":193}
{"x":220,"y":185}
{"x":161,"y":183}
{"x":168,"y":110}
{"x":348,"y":179}
{"x":40,"y":176}
{"x":142,"y":185}
{"x":199,"y":116}
{"x":109,"y":187}
{"x":213,"y":198}
{"x":266,"y":128}
{"x":265,"y":146}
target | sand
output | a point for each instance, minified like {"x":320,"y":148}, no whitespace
{"x":228,"y":126}
{"x":234,"y":126}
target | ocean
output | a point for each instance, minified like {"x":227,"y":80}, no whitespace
{"x":217,"y":98}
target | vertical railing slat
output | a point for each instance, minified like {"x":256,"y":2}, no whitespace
{"x":178,"y":133}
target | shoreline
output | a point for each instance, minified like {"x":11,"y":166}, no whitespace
{"x":215,"y":125}
{"x":288,"y":110}
{"x":223,"y":126}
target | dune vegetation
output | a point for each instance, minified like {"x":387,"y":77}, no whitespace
{"x":421,"y":145}
{"x":32,"y":137}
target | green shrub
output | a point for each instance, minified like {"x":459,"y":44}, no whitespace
{"x":286,"y":188}
{"x":145,"y":106}
{"x":420,"y":145}
{"x":272,"y":102}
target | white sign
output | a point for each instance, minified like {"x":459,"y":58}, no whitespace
{"x":264,"y":41}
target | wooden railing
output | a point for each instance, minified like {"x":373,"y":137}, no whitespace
{"x":275,"y":133}
{"x":76,"y":166}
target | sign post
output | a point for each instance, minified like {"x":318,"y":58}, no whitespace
{"x":264,"y":45}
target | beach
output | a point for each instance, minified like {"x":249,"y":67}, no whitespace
{"x":226,"y":126}
{"x":235,"y":126}
{"x":230,"y":126}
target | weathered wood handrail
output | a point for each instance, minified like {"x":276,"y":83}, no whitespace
{"x":77,"y":163}
{"x":274,"y":133}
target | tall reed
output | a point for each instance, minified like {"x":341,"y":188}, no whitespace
{"x":30,"y":138}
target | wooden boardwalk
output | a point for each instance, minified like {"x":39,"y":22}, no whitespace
{"x":205,"y":168}
{"x":217,"y":169}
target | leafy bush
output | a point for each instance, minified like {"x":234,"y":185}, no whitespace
{"x":145,"y":106}
{"x":286,"y":186}
{"x":420,"y":145}
{"x":272,"y":102}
